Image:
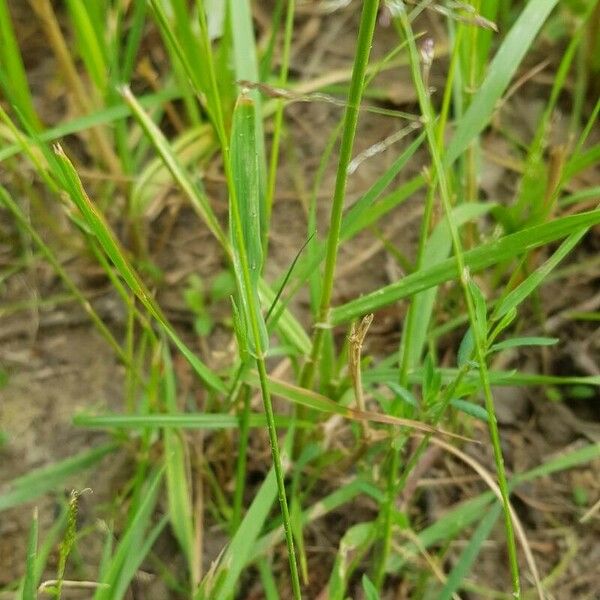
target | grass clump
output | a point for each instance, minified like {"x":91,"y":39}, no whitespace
{"x":211,"y":124}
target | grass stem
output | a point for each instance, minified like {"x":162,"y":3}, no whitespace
{"x":361,"y":60}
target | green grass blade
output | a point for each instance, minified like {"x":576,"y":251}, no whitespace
{"x":469,"y":554}
{"x":361,"y":59}
{"x":524,"y":341}
{"x":345,"y":494}
{"x":355,"y":538}
{"x":60,"y":271}
{"x":188,"y":150}
{"x":159,"y":141}
{"x":14,"y":79}
{"x":437,"y":248}
{"x":381,"y":208}
{"x":135,"y":559}
{"x":267,"y":579}
{"x":116,"y":577}
{"x":244,"y":190}
{"x":91,"y":47}
{"x":242,"y":547}
{"x":178,"y":489}
{"x":125,"y":59}
{"x":457,"y":519}
{"x":205,"y":421}
{"x":533,"y":281}
{"x":30,"y":581}
{"x":315,"y":401}
{"x":278,"y":119}
{"x":106,"y":238}
{"x":100,"y":117}
{"x":354,"y":219}
{"x":479,"y":258}
{"x":500,"y":72}
{"x":289,"y":326}
{"x":534,"y":181}
{"x":369,"y":589}
{"x":185,"y":74}
{"x":474,"y":300}
{"x":504,"y":378}
{"x":45,"y":479}
{"x":244,"y":219}
{"x":246,"y":68}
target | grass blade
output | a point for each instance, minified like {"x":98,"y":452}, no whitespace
{"x":206,"y":421}
{"x":30,"y":580}
{"x":533,"y":281}
{"x":42,"y":480}
{"x":244,"y":219}
{"x":315,"y":401}
{"x":197,"y":198}
{"x":500,"y":72}
{"x":477,"y":259}
{"x":244,"y":207}
{"x":98,"y":225}
{"x":359,"y":69}
{"x":13,"y":79}
{"x":242,"y":548}
{"x":116,"y":577}
{"x":469,"y":554}
{"x":178,"y":490}
{"x":437,"y":249}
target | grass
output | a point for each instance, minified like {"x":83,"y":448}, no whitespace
{"x":214,"y":112}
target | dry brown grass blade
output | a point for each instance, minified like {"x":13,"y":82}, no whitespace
{"x":316,"y":401}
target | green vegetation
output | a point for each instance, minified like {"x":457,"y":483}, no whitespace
{"x":473,"y":290}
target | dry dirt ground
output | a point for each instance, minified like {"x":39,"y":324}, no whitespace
{"x":57,"y":365}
